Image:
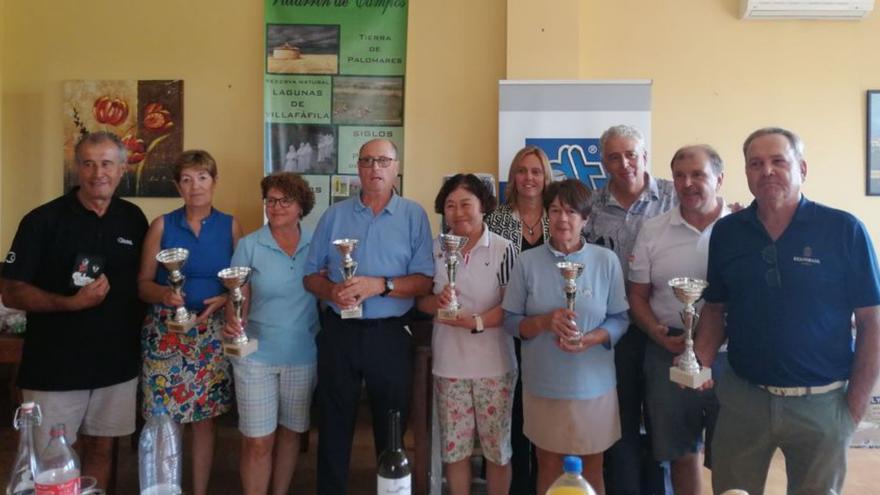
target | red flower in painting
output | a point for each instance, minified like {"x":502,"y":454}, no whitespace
{"x":156,"y":118}
{"x":137,"y":151}
{"x":112,"y":111}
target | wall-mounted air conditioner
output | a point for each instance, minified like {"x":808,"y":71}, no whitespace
{"x":806,"y":9}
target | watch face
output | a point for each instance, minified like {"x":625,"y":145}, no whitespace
{"x":389,"y":285}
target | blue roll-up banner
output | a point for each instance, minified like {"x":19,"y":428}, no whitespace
{"x":565,"y":119}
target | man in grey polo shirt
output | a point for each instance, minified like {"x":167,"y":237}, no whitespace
{"x":620,"y":208}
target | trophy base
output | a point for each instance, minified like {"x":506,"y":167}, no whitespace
{"x":240,"y":350}
{"x":448,"y":314}
{"x":348,"y":313}
{"x":180,"y":326}
{"x":690,"y":380}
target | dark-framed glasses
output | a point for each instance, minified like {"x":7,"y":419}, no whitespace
{"x":771,"y":257}
{"x":381,"y":161}
{"x":284,"y":202}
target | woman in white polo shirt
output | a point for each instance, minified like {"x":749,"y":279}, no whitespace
{"x":474,"y":364}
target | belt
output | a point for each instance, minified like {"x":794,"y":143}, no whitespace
{"x":802,"y":391}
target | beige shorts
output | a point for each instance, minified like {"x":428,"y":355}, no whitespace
{"x":574,"y":427}
{"x":100,"y":412}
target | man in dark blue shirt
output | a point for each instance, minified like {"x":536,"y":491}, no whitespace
{"x":789,"y":274}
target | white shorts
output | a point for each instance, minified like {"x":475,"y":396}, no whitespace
{"x":101,"y":412}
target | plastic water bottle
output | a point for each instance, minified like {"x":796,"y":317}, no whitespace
{"x":58,"y":466}
{"x":159,"y":453}
{"x":21,"y":480}
{"x":571,"y":482}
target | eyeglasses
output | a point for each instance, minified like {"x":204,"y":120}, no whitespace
{"x":284,"y":202}
{"x":381,"y":161}
{"x":772,"y":276}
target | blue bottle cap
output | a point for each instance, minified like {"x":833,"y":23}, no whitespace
{"x":159,"y":409}
{"x":572,"y":464}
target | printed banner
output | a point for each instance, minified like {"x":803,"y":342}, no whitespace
{"x":334,"y":79}
{"x":565,"y":119}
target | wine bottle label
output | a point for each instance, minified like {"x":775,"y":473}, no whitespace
{"x":399,"y":486}
{"x":69,"y":487}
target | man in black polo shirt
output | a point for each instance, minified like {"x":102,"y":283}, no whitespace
{"x":73,"y":267}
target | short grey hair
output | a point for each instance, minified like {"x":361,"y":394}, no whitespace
{"x":686,"y":152}
{"x":621,"y":131}
{"x":100,"y":137}
{"x":797,"y":145}
{"x":383,"y":140}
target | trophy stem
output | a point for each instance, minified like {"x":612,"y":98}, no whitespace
{"x":688,"y":361}
{"x":688,"y":371}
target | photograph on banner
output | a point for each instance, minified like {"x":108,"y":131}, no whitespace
{"x":368,"y":100}
{"x":347,"y":186}
{"x":298,"y":99}
{"x":302,"y":49}
{"x":320,"y":185}
{"x":351,"y":138}
{"x":301,"y":148}
{"x":146,"y":115}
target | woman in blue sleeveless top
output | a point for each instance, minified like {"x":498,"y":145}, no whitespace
{"x":187,"y":373}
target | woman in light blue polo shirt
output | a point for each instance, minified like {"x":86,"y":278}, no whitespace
{"x":569,"y":395}
{"x":273,"y":386}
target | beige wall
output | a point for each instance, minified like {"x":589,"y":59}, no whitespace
{"x":455,"y":57}
{"x":715,"y":79}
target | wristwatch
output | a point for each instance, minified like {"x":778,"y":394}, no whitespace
{"x":478,"y":320}
{"x":389,"y":286}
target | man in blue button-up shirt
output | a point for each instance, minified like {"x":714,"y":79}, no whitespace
{"x":789,"y":274}
{"x":395,"y":264}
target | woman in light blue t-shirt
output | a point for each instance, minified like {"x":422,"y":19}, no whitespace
{"x":569,"y":397}
{"x":274,"y":384}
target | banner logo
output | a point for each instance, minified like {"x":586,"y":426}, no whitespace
{"x":575,"y":158}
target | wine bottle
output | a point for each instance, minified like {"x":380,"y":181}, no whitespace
{"x":394,"y":476}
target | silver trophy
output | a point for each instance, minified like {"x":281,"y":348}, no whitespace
{"x":233,"y":279}
{"x":173,"y":260}
{"x":688,"y":371}
{"x":348,"y":269}
{"x":451,"y":246}
{"x":570,"y":272}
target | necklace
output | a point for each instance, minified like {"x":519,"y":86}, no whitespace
{"x":531,"y":228}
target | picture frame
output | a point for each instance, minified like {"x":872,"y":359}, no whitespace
{"x":872,"y":144}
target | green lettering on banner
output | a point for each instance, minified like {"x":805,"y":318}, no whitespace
{"x":298,"y":99}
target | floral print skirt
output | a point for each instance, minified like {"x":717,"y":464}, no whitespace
{"x":187,"y":372}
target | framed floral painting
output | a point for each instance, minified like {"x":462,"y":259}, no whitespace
{"x":146,"y":115}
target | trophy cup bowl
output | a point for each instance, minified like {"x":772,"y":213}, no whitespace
{"x":234,"y":278}
{"x":173,"y":260}
{"x":570,"y":271}
{"x":348,"y":269}
{"x":451,"y":246}
{"x":688,"y":371}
